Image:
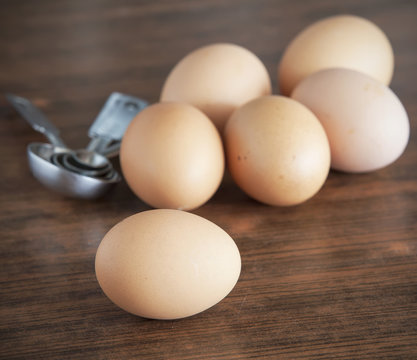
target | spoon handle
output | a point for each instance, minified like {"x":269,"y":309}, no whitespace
{"x":36,"y":119}
{"x":112,"y":121}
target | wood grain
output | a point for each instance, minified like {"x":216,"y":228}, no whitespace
{"x":333,"y":278}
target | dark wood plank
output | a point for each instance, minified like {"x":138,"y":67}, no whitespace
{"x":335,"y":277}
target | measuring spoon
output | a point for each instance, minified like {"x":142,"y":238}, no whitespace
{"x":84,"y":173}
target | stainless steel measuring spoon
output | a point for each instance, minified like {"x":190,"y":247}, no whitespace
{"x":84,"y":173}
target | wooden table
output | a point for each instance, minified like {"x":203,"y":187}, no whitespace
{"x":335,"y":277}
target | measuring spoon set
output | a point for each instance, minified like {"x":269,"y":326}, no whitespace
{"x":84,"y":173}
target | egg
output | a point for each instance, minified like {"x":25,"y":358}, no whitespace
{"x":277,"y":150}
{"x":344,"y":41}
{"x":365,"y":122}
{"x":172,"y":156}
{"x":166,"y":264}
{"x":217,"y":78}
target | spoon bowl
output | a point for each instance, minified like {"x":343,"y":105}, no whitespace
{"x":65,"y":181}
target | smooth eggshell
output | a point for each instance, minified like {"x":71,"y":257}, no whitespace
{"x":277,"y":150}
{"x":172,"y":156}
{"x":167,"y":264}
{"x":217,"y":78}
{"x":365,"y":122}
{"x":344,"y":41}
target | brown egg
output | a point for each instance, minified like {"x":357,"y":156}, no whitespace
{"x":216,"y":79}
{"x":343,"y":41}
{"x":166,"y":264}
{"x":365,"y":122}
{"x":277,"y":150}
{"x":172,"y":156}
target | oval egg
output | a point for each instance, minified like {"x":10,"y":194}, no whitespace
{"x":344,"y":41}
{"x":172,"y":156}
{"x":167,"y":264}
{"x":277,"y":150}
{"x":217,"y":78}
{"x":365,"y":122}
